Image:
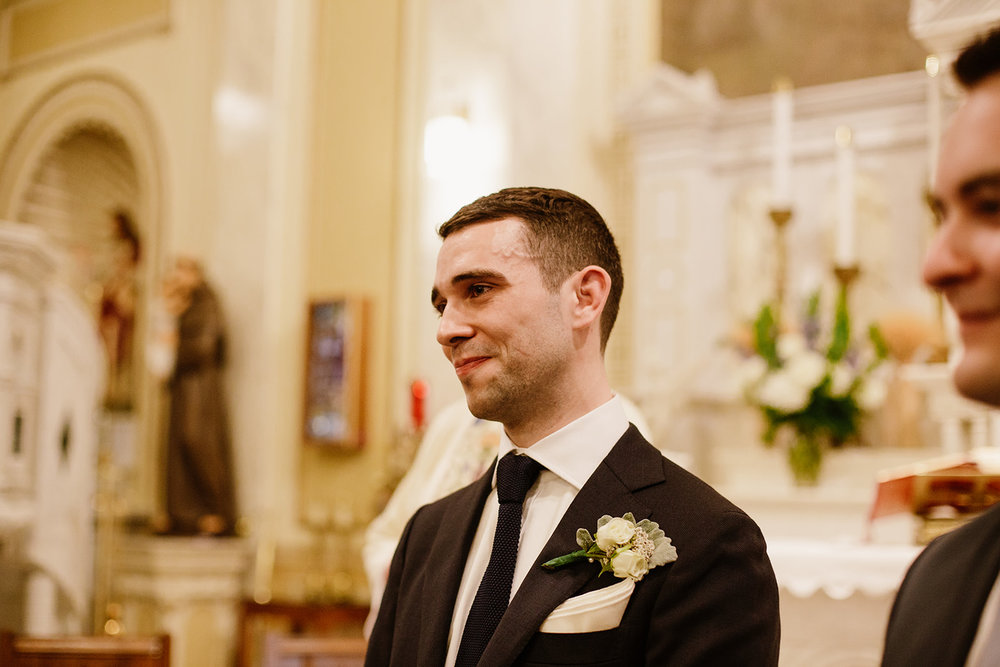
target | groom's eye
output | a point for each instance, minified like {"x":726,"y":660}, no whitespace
{"x":479,"y":289}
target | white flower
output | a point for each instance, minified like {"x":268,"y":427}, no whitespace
{"x":781,"y":392}
{"x":623,"y":547}
{"x":807,"y":368}
{"x":614,"y":533}
{"x":841,"y":379}
{"x":791,"y":345}
{"x":872,"y":393}
{"x":751,"y":371}
{"x":884,"y":372}
{"x":628,"y":563}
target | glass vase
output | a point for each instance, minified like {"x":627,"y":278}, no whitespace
{"x":805,"y":458}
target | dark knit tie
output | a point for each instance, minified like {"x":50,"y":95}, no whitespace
{"x":515,"y":475}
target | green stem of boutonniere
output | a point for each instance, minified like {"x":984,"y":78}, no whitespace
{"x":567,"y":559}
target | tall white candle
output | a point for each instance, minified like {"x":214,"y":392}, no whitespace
{"x":781,"y":167}
{"x":933,"y":68}
{"x":844,"y":253}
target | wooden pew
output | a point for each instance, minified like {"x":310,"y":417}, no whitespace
{"x":84,"y":651}
{"x":281,"y":650}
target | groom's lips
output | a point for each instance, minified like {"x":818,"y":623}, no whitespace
{"x":466,"y":365}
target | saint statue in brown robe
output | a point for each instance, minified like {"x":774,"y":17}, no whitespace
{"x":200,"y":490}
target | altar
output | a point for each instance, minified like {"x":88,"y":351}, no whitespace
{"x":837,"y":572}
{"x":785,"y":200}
{"x":837,"y":568}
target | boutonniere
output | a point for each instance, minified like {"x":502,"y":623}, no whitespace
{"x":623,"y":547}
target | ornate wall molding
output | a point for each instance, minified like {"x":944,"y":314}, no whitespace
{"x":39,"y":31}
{"x":86,"y":100}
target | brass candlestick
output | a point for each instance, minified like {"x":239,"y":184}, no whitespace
{"x":846,"y":275}
{"x":780,"y":217}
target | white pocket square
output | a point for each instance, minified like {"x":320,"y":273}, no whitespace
{"x":591,"y":612}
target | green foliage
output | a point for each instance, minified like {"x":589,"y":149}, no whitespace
{"x":878,"y":344}
{"x":841,"y":329}
{"x":837,"y":418}
{"x":766,"y":337}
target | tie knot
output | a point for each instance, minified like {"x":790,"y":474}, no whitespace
{"x":515,"y":475}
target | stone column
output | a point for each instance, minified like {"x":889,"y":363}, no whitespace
{"x":189,"y":587}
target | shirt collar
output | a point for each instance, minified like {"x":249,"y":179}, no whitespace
{"x":574,"y":451}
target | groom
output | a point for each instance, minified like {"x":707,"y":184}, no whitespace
{"x":527,"y":287}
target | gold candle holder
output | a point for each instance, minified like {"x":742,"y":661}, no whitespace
{"x":846,"y":275}
{"x":780,"y":217}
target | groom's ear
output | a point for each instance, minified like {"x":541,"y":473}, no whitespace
{"x":591,"y":287}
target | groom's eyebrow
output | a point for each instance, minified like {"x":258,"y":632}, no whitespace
{"x":469,"y":276}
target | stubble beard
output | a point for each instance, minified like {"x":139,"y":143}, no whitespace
{"x":517,"y":394}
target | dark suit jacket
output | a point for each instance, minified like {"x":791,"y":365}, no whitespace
{"x":717,"y":604}
{"x":936,"y":613}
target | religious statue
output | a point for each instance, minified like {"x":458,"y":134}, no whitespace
{"x":200,"y":491}
{"x":116,"y":320}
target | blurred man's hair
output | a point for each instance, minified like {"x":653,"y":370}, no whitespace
{"x":979,"y":60}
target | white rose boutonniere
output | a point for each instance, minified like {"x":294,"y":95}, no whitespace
{"x":614,"y":533}
{"x":624,"y":547}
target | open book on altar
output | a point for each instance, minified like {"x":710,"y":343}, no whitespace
{"x":943,"y":492}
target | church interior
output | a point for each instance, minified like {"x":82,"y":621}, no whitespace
{"x":281,"y":167}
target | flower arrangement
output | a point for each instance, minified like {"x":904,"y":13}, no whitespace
{"x":623,"y":547}
{"x":818,"y":386}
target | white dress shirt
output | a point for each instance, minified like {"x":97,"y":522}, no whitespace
{"x":570,"y":456}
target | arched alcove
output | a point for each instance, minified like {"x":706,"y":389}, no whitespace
{"x":86,"y":149}
{"x":76,"y":186}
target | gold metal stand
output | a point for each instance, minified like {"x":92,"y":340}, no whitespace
{"x":106,"y":611}
{"x":780,"y":217}
{"x":846,"y":275}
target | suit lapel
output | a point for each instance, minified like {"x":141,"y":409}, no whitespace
{"x":631,"y":465}
{"x":440,"y":592}
{"x":974,"y":561}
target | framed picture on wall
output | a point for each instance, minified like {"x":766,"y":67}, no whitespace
{"x":335,"y":373}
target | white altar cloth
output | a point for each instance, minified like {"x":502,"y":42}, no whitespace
{"x":839,"y":568}
{"x":837,"y":571}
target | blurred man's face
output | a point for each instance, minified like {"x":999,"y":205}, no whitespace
{"x":963,"y":262}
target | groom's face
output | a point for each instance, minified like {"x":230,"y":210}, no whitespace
{"x":506,"y":334}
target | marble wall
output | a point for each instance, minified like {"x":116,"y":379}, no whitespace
{"x":747,"y":43}
{"x":703,"y":193}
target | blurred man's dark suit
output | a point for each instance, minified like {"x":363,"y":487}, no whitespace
{"x":936,"y":613}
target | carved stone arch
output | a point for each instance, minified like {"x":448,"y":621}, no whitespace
{"x":105,"y":110}
{"x":94,"y":99}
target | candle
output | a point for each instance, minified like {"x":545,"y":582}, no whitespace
{"x":781,"y":167}
{"x":418,"y":397}
{"x":844,"y":254}
{"x":933,"y":67}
